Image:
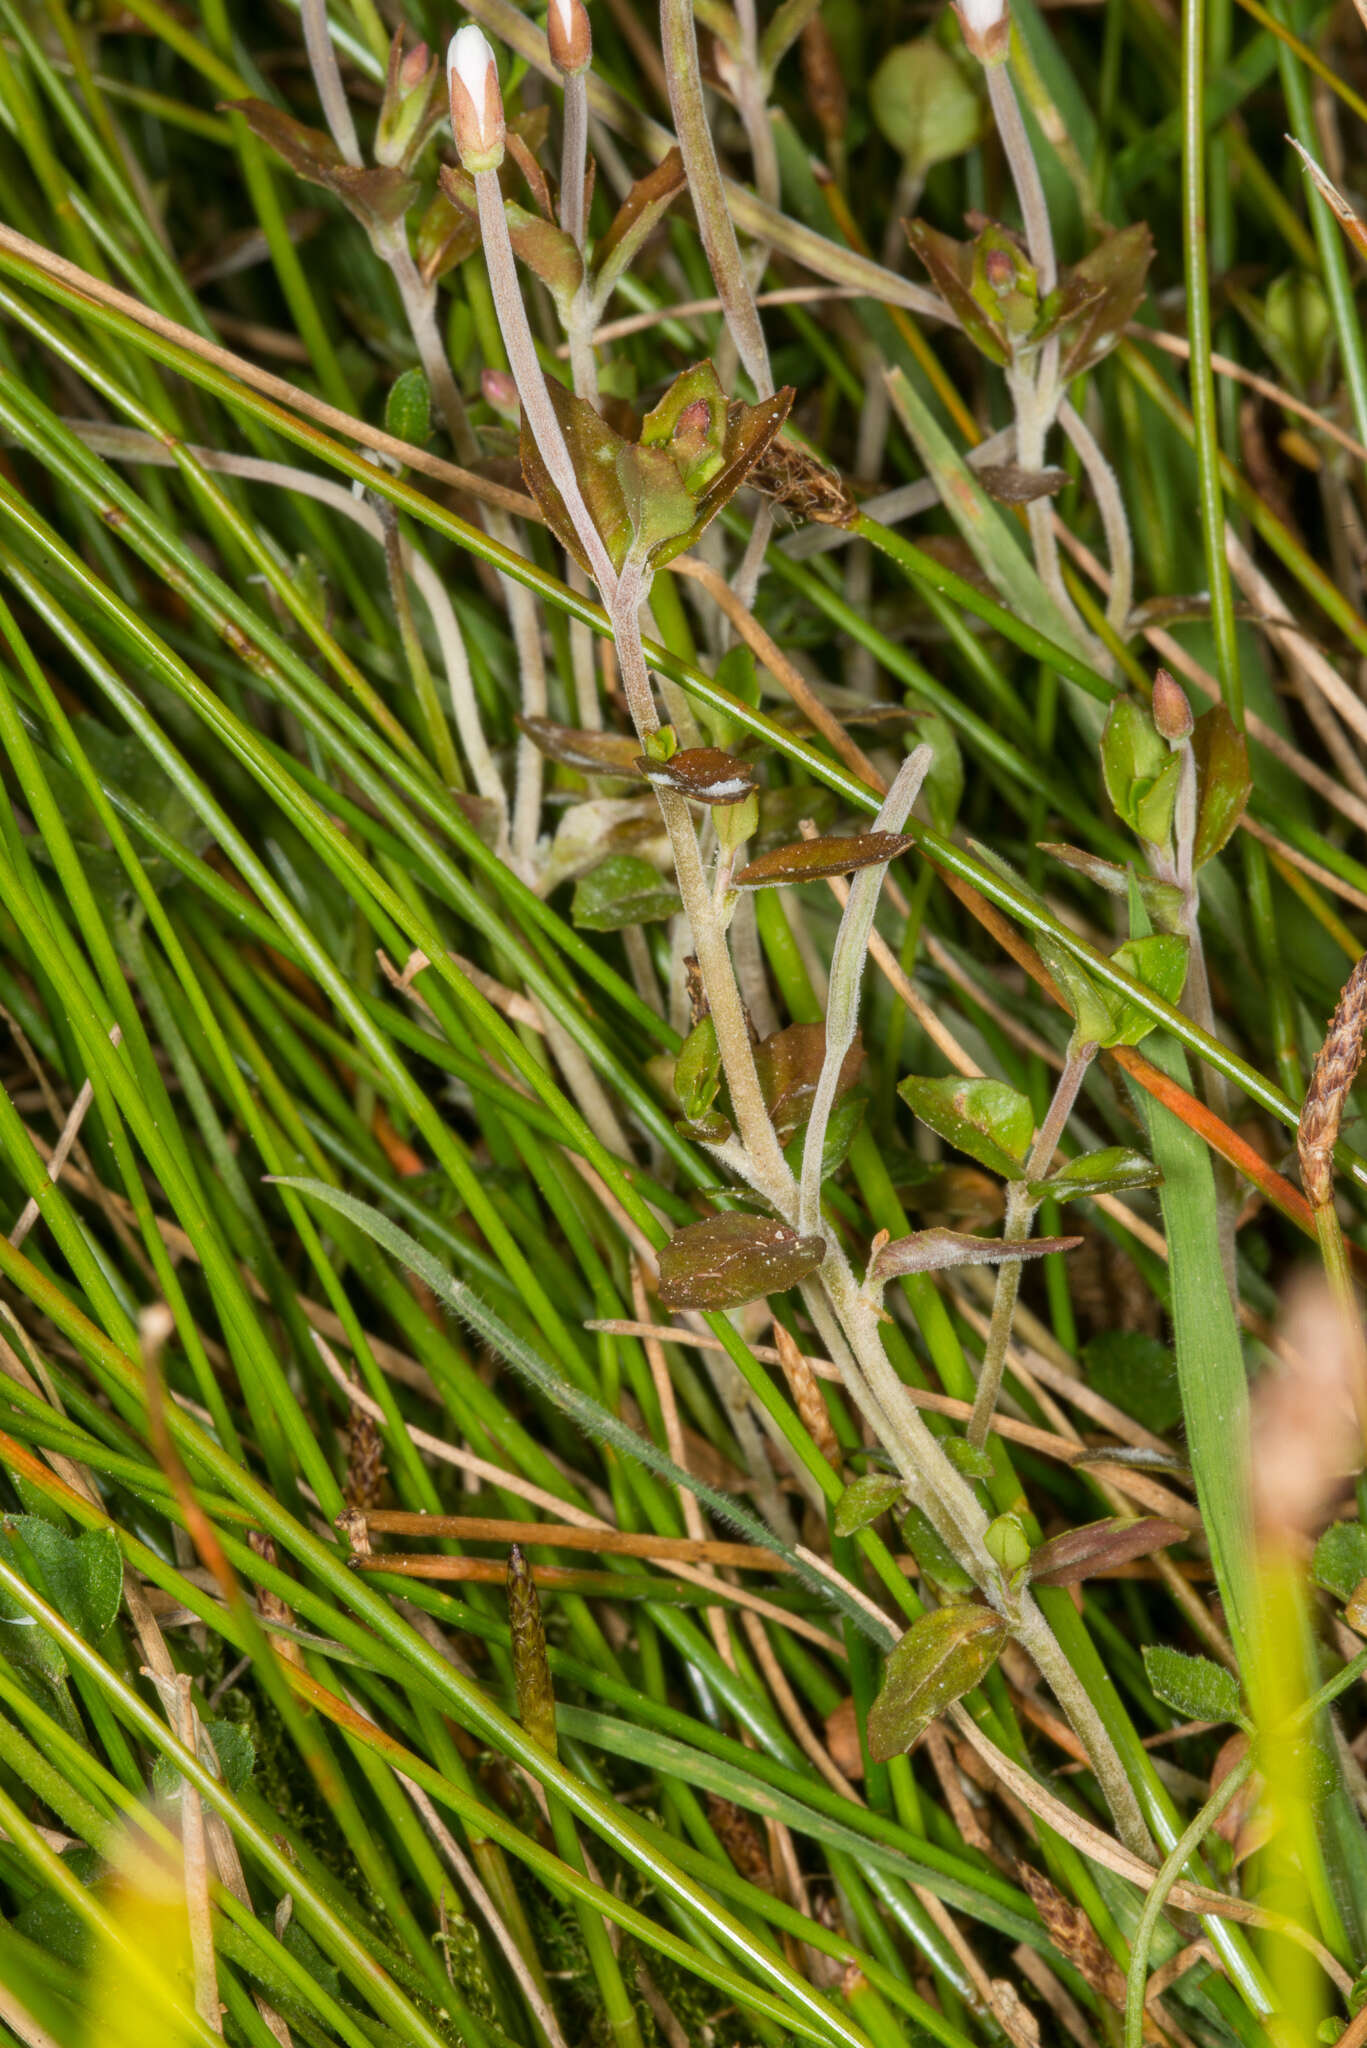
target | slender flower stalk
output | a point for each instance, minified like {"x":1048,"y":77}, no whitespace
{"x":1115,"y":522}
{"x":684,"y":77}
{"x":327,"y":77}
{"x":1020,"y":1214}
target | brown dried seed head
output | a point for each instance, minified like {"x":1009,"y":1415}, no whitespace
{"x":365,"y":1464}
{"x":807,"y":1396}
{"x":1340,"y":1056}
{"x":531,"y":1666}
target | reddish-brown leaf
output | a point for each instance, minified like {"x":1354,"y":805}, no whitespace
{"x":592,"y":753}
{"x":809,"y":860}
{"x":725,"y":1261}
{"x":1099,"y":1547}
{"x":705,"y":775}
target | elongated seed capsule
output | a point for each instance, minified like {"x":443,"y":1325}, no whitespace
{"x":1336,"y":1067}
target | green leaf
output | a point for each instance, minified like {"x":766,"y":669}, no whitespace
{"x":991,"y":1122}
{"x":1113,"y":1170}
{"x":865,"y":1500}
{"x":408,"y":408}
{"x":235,"y":1750}
{"x":697,"y":1071}
{"x":949,"y":265}
{"x":622,"y":891}
{"x":1160,"y":962}
{"x":1133,"y":759}
{"x":923,"y":104}
{"x":1092,"y":1005}
{"x":725,"y":1261}
{"x":942,"y":1656}
{"x":1340,"y":1562}
{"x":1138,"y":1374}
{"x":937,"y":1563}
{"x":1223,"y":781}
{"x":1194,"y":1687}
{"x":82,"y":1575}
{"x":973,"y":1460}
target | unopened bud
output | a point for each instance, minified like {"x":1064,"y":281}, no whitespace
{"x":569,"y":36}
{"x":999,"y":271}
{"x":413,"y":67}
{"x":500,"y":394}
{"x":476,"y":103}
{"x":1171,"y":712}
{"x":1007,"y":1544}
{"x":986,"y":26}
{"x":411,"y":106}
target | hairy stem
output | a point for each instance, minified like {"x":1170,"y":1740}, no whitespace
{"x":327,"y":77}
{"x":1020,"y":1214}
{"x":1115,"y":521}
{"x":847,"y":973}
{"x":684,"y":76}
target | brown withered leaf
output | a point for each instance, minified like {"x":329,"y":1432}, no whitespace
{"x":377,"y":195}
{"x":1099,"y":1546}
{"x":930,"y":1251}
{"x":725,"y":1261}
{"x":1114,"y":273}
{"x":591,"y":753}
{"x":636,"y":220}
{"x":705,"y":775}
{"x":810,"y":860}
{"x":1009,"y":484}
{"x":1247,"y":1823}
{"x":789,"y":1064}
{"x":1074,"y":1936}
{"x":741,"y":1839}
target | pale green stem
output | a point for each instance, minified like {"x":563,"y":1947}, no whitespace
{"x":1186,"y":1846}
{"x":1020,"y":1214}
{"x":847,"y":974}
{"x":1115,"y":522}
{"x":767,"y":1168}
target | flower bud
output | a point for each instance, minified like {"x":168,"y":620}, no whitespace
{"x":476,"y":103}
{"x":569,"y":36}
{"x":986,"y":26}
{"x":500,"y":392}
{"x":1007,"y":1544}
{"x":1171,"y":712}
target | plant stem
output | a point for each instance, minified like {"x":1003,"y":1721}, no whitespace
{"x":327,"y":77}
{"x":765,"y":1156}
{"x":847,"y":973}
{"x":1020,"y":1214}
{"x":1115,"y":521}
{"x":680,"y":46}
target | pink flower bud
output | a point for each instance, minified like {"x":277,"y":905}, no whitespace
{"x":1171,"y":712}
{"x":569,"y":36}
{"x":413,"y":67}
{"x":476,"y":102}
{"x":999,"y":271}
{"x":500,"y":392}
{"x":986,"y":26}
